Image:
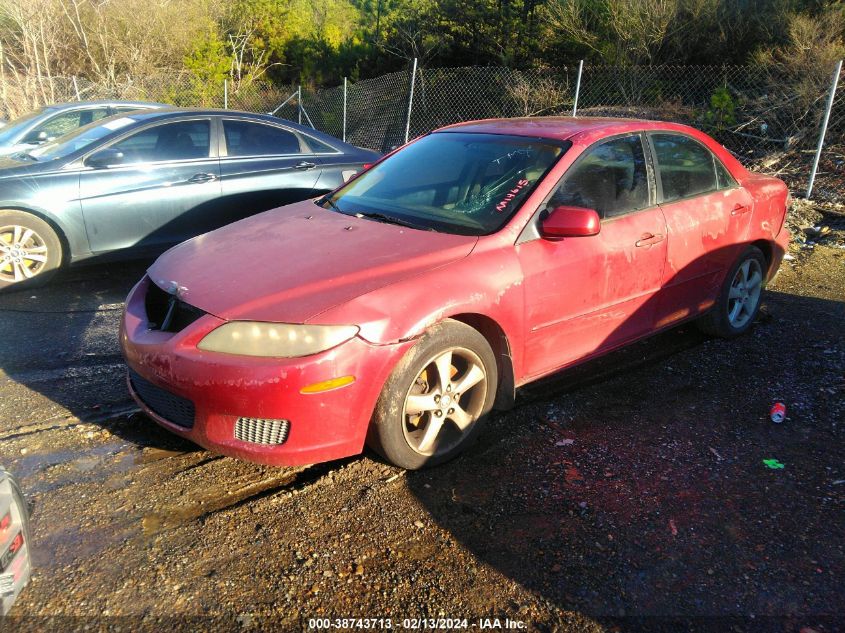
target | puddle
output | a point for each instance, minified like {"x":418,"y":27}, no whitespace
{"x":39,"y":472}
{"x":69,"y":545}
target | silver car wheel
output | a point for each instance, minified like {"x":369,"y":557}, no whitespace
{"x":444,"y":401}
{"x":745,"y":291}
{"x":23,"y":253}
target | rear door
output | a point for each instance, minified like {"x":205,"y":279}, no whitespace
{"x":707,"y":216}
{"x":264,"y":166}
{"x":163,"y":192}
{"x":336,"y":166}
{"x":587,"y":294}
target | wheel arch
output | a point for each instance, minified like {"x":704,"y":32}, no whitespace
{"x":51,"y":222}
{"x":499,"y":342}
{"x":767,"y":249}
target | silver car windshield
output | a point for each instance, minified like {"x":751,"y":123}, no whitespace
{"x":80,"y":138}
{"x":453,"y":182}
{"x":13,"y":129}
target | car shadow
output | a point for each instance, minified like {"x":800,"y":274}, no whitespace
{"x":631,"y":489}
{"x":634,"y":489}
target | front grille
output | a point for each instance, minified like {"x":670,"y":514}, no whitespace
{"x":166,"y":312}
{"x":173,"y":408}
{"x":260,"y":431}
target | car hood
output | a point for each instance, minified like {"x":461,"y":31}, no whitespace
{"x":292,"y":263}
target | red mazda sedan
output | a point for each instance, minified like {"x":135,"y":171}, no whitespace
{"x":399,"y":309}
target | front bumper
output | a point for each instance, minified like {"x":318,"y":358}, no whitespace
{"x":223,"y":387}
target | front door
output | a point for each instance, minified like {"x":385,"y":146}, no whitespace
{"x":161,"y":193}
{"x":587,"y":294}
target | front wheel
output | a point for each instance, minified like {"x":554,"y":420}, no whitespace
{"x":30,"y":251}
{"x":437,"y":398}
{"x":739,"y":298}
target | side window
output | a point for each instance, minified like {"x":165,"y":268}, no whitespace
{"x":723,"y":177}
{"x":67,"y":122}
{"x":611,"y":178}
{"x":182,"y":140}
{"x":254,"y":139}
{"x":686,"y":167}
{"x":318,"y":147}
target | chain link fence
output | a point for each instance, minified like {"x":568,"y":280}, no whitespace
{"x":19,"y":95}
{"x":769,"y":121}
{"x":830,"y":177}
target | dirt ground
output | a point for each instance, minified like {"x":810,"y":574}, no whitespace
{"x":625,"y":495}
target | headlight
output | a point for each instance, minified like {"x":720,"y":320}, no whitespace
{"x":281,"y":340}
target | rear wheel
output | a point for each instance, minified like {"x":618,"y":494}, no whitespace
{"x":30,"y":251}
{"x":739,"y":299}
{"x":436,"y":400}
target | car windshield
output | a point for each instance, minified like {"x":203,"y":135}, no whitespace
{"x":80,"y":138}
{"x":454,"y":182}
{"x":12,"y":129}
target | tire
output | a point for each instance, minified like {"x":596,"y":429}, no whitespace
{"x":419,"y":421}
{"x":23,"y":234}
{"x":739,"y":298}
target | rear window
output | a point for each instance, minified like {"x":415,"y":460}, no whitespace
{"x":686,"y":167}
{"x":244,"y":138}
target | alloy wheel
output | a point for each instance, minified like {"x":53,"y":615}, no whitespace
{"x":444,"y":401}
{"x":23,"y":253}
{"x":744,"y":294}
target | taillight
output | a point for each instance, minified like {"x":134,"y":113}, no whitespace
{"x":17,"y":543}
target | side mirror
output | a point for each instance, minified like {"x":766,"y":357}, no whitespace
{"x":570,"y":222}
{"x":104,"y":158}
{"x":36,"y":138}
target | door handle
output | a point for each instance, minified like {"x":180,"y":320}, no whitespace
{"x":648,"y":239}
{"x":740,"y":209}
{"x":200,"y":178}
{"x":304,"y":165}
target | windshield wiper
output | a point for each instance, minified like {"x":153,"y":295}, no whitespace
{"x":378,"y":217}
{"x":381,"y":217}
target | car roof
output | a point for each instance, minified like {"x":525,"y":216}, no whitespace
{"x":563,"y":127}
{"x":174,"y":112}
{"x":170,"y":110}
{"x":72,"y":105}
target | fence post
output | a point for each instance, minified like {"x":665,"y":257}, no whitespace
{"x":76,"y":89}
{"x":577,"y":87}
{"x":411,"y":100}
{"x":225,"y":94}
{"x":344,"y":109}
{"x":299,"y":104}
{"x":824,"y":128}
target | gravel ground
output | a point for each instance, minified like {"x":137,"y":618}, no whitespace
{"x":627,"y":494}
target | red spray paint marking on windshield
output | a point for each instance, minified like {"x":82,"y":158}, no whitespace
{"x":510,"y":195}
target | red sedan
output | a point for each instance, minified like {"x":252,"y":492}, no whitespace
{"x":399,"y":309}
